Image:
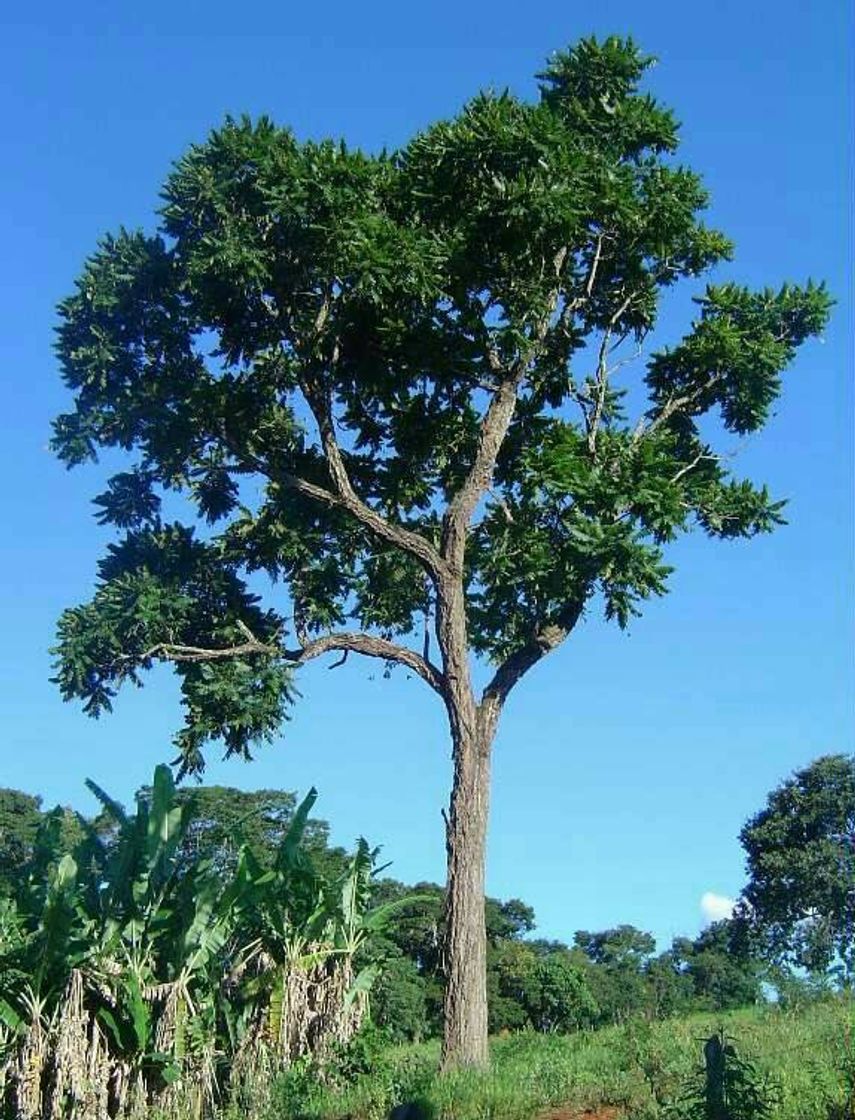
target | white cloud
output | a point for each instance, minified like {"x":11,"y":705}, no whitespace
{"x":716,"y":907}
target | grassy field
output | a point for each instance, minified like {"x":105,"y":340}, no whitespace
{"x":804,"y":1062}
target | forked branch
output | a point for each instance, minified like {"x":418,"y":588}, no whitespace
{"x":514,"y":667}
{"x":673,"y":405}
{"x":345,"y":497}
{"x":494,"y":428}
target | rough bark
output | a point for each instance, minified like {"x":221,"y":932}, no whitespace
{"x":465,"y":950}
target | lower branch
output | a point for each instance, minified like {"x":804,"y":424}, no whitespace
{"x":369,"y":646}
{"x":345,"y":642}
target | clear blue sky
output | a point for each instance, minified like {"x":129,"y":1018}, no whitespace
{"x":626,"y":764}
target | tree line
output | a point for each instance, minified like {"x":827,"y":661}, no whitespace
{"x":212,"y":935}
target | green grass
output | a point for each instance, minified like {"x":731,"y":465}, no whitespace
{"x":642,"y":1068}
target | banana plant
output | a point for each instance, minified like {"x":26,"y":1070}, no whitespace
{"x":160,"y":934}
{"x":44,"y":943}
{"x":133,"y":979}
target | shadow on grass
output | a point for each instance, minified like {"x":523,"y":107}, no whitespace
{"x":418,"y":1109}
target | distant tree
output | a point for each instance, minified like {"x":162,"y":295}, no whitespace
{"x":390,"y":382}
{"x":509,"y":966}
{"x":618,"y":981}
{"x":418,"y":926}
{"x":543,"y":991}
{"x":224,"y":818}
{"x":796,"y":989}
{"x":722,"y":972}
{"x":399,"y":1000}
{"x":545,"y":945}
{"x":508,"y":920}
{"x":800,"y":849}
{"x":670,"y":990}
{"x":559,"y":997}
{"x":622,"y":947}
{"x":20,"y":817}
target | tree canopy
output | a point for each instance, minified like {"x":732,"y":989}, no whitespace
{"x":20,"y":817}
{"x":800,"y":855}
{"x":224,"y":819}
{"x":340,"y":326}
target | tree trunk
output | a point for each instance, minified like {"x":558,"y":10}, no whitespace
{"x":465,"y":949}
{"x":465,"y":945}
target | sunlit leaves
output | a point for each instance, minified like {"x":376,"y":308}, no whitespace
{"x":800,"y":852}
{"x":594,"y":88}
{"x":160,"y":587}
{"x":158,"y":960}
{"x":736,"y":351}
{"x":389,"y":295}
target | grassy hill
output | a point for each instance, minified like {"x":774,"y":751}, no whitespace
{"x":803,"y":1063}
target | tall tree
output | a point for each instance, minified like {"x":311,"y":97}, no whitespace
{"x":389,"y":381}
{"x":800,"y":849}
{"x":224,"y":819}
{"x":619,"y":982}
{"x":20,"y":817}
{"x":722,"y":972}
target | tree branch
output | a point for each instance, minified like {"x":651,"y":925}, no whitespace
{"x":345,"y":642}
{"x":690,"y":466}
{"x":648,"y":424}
{"x":572,"y":306}
{"x":601,"y":377}
{"x":369,"y":645}
{"x":494,"y":428}
{"x":345,"y":497}
{"x":514,"y":667}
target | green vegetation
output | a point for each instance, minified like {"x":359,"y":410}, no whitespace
{"x":802,"y":1063}
{"x":134,"y":977}
{"x":800,"y":848}
{"x":408,"y":387}
{"x":210,"y":955}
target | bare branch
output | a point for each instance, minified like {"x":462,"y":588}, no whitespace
{"x":494,"y":428}
{"x":502,"y":504}
{"x":573,"y":305}
{"x":699,"y":458}
{"x":592,"y":275}
{"x":601,"y":377}
{"x":369,"y":645}
{"x":176,"y":651}
{"x":345,"y":642}
{"x":601,"y":380}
